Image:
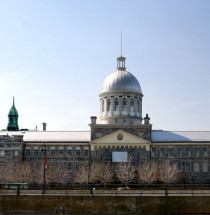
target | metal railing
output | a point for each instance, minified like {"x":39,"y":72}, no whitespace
{"x":109,"y":189}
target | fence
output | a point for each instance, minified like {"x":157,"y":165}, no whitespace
{"x":110,"y":189}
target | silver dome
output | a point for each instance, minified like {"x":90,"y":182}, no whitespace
{"x":121,"y":81}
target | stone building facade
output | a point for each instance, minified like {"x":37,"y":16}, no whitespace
{"x":122,"y":132}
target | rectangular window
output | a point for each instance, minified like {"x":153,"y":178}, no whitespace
{"x":171,"y":152}
{"x":205,"y":167}
{"x":162,"y":152}
{"x":36,"y":151}
{"x":69,"y":150}
{"x":196,"y":167}
{"x":187,"y":151}
{"x":179,"y":152}
{"x":205,"y":151}
{"x":16,"y":153}
{"x":195,"y":151}
{"x":61,"y":151}
{"x":154,"y":152}
{"x":97,"y":154}
{"x":187,"y":167}
{"x":179,"y":166}
{"x":52,"y":151}
{"x":77,"y":166}
{"x":78,"y":151}
{"x":2,"y":153}
{"x":28,"y":151}
{"x":86,"y":151}
{"x":69,"y":167}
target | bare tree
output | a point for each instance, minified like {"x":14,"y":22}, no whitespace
{"x":53,"y":174}
{"x":125,"y":172}
{"x":168,"y":172}
{"x":104,"y":173}
{"x":22,"y":173}
{"x":6,"y":172}
{"x":82,"y":175}
{"x":148,"y":172}
{"x":86,"y":174}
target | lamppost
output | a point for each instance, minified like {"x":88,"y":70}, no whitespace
{"x":45,"y":167}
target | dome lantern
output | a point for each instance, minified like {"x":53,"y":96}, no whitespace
{"x":121,"y":97}
{"x":121,"y":63}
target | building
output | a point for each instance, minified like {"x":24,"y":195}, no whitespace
{"x":122,"y":131}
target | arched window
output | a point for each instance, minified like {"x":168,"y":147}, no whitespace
{"x":108,"y":105}
{"x":132,"y":105}
{"x":124,"y":104}
{"x":103,"y":106}
{"x":116,"y":104}
{"x":138,"y":106}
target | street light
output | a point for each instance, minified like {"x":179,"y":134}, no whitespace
{"x":45,"y":167}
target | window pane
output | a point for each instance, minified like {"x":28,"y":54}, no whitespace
{"x":187,"y":167}
{"x":69,"y":167}
{"x":2,"y":153}
{"x":171,"y":152}
{"x":97,"y":152}
{"x":124,"y":104}
{"x":162,"y":152}
{"x":52,"y":151}
{"x":195,"y":151}
{"x":60,"y":151}
{"x":103,"y":106}
{"x":205,"y":167}
{"x":15,"y":153}
{"x":187,"y":152}
{"x":116,"y":104}
{"x":205,"y":152}
{"x":36,"y":151}
{"x":108,"y":105}
{"x":70,"y":151}
{"x":28,"y":152}
{"x":179,"y":166}
{"x":154,"y":153}
{"x":86,"y":151}
{"x":196,"y":167}
{"x":138,"y":106}
{"x":77,"y":151}
{"x":132,"y":105}
{"x":179,"y":152}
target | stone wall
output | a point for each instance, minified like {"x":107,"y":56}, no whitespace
{"x":100,"y":130}
{"x":57,"y":204}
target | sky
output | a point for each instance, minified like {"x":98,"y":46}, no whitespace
{"x":55,"y":55}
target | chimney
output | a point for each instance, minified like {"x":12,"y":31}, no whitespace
{"x":146,"y":119}
{"x":44,"y":126}
{"x":93,"y":120}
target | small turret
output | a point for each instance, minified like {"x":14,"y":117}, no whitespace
{"x":13,"y":118}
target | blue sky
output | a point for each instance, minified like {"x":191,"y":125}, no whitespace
{"x":55,"y":54}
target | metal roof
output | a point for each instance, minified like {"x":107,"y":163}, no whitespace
{"x":180,"y":136}
{"x":51,"y":136}
{"x":121,"y":81}
{"x":63,"y":136}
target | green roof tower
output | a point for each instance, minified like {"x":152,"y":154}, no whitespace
{"x":13,"y":118}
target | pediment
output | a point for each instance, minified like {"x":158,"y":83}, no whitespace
{"x":120,"y":137}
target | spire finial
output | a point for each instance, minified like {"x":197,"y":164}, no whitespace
{"x":13,"y":100}
{"x":121,"y":43}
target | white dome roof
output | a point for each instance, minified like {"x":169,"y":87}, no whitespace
{"x":121,"y":81}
